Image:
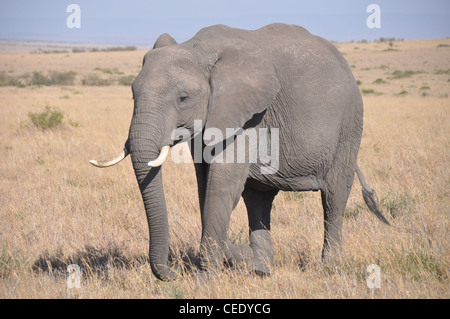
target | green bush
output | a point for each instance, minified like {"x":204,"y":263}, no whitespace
{"x":95,"y":80}
{"x":63,"y":78}
{"x":367,"y":91}
{"x":404,"y":92}
{"x":113,"y":49}
{"x":126,"y":80}
{"x":8,"y":80}
{"x":379,"y":81}
{"x":370,"y":91}
{"x":440,"y":71}
{"x":109,"y":71}
{"x":398,"y":74}
{"x":37,"y":78}
{"x":48,"y":118}
{"x":53,"y":78}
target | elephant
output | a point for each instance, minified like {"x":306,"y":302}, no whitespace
{"x":279,"y":78}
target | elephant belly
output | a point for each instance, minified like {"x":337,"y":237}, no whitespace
{"x":266,"y":182}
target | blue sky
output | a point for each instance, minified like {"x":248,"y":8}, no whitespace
{"x":139,"y":22}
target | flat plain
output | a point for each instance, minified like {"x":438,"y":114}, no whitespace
{"x":56,"y":209}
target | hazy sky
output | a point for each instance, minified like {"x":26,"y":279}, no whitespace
{"x":140,"y":22}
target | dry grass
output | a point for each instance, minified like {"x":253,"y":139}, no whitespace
{"x":56,"y":209}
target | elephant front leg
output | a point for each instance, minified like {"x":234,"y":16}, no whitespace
{"x":259,"y":205}
{"x":224,"y":185}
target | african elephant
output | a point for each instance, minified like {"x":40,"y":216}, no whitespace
{"x":279,"y":78}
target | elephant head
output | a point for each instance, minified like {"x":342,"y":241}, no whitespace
{"x":223,"y":82}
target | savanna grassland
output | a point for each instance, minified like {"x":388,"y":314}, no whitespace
{"x":56,"y":209}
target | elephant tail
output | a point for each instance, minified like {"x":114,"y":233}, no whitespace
{"x":370,"y":197}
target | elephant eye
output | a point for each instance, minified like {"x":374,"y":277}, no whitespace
{"x":183,"y":97}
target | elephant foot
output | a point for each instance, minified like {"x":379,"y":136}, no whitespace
{"x":229,"y":255}
{"x":237,"y":254}
{"x":259,"y":256}
{"x":262,"y":246}
{"x":164,"y":273}
{"x":212,"y":256}
{"x":331,"y":254}
{"x":332,"y":259}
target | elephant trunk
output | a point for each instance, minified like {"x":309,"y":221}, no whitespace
{"x":151,"y":187}
{"x":143,"y":148}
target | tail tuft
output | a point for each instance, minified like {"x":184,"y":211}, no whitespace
{"x":371,"y":199}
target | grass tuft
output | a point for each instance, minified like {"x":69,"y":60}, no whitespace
{"x":47,"y":119}
{"x":398,"y":74}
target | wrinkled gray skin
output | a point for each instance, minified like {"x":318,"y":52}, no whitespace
{"x":279,"y":76}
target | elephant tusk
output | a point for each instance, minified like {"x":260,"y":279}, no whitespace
{"x":161,"y":158}
{"x":112,"y":162}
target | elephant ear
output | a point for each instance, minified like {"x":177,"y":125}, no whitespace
{"x":163,"y":41}
{"x":243,"y":83}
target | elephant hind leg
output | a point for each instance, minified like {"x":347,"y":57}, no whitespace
{"x":259,"y":205}
{"x":334,"y":200}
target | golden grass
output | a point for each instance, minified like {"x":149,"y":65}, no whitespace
{"x":56,"y":209}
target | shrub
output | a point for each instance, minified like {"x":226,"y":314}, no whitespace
{"x":398,"y":74}
{"x":367,"y":91}
{"x":379,"y":81}
{"x":109,"y":71}
{"x":63,"y":78}
{"x":73,"y":123}
{"x":125,"y":48}
{"x":383,"y":67}
{"x":8,"y":80}
{"x":95,"y":80}
{"x":50,"y":51}
{"x":390,"y":49}
{"x":113,"y":49}
{"x":78,"y":50}
{"x":439,"y":71}
{"x":38,"y":78}
{"x":404,"y":92}
{"x":126,"y":80}
{"x":48,"y":118}
{"x":370,"y":91}
{"x":53,"y":78}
